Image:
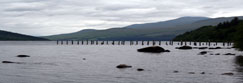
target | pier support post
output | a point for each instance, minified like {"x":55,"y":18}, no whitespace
{"x":119,"y":42}
{"x":209,"y":43}
{"x":228,"y":43}
{"x":154,"y":43}
{"x":195,"y":43}
{"x":67,"y":42}
{"x":131,"y":42}
{"x":113,"y":42}
{"x":61,"y":42}
{"x":97,"y":42}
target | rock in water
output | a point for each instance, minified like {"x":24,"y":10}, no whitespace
{"x":167,"y":51}
{"x":229,"y":54}
{"x":230,"y":74}
{"x":203,"y":53}
{"x":11,"y":62}
{"x":215,"y":48}
{"x":122,"y":66}
{"x":140,"y":69}
{"x":176,"y":71}
{"x":191,"y":72}
{"x":23,"y":56}
{"x":184,"y":48}
{"x":8,"y":62}
{"x":153,"y":49}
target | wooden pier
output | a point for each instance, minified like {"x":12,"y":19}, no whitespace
{"x":153,"y":43}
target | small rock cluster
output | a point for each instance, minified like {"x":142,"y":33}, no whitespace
{"x":201,"y":48}
{"x":12,"y":62}
{"x":229,"y":73}
{"x":124,"y":66}
{"x":206,"y":52}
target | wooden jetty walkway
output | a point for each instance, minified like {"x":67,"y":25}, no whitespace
{"x":153,"y":43}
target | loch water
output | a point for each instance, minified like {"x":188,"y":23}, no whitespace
{"x":52,"y":63}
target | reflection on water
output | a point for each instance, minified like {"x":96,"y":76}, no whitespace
{"x":239,"y":67}
{"x":239,"y":60}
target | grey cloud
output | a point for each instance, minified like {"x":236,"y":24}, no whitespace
{"x":46,"y":17}
{"x":23,"y":9}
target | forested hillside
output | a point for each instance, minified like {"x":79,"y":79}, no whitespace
{"x":230,"y":31}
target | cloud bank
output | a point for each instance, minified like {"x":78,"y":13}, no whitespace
{"x":48,"y":17}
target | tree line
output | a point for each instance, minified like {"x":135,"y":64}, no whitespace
{"x":228,"y":31}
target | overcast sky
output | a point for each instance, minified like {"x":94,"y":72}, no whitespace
{"x":47,"y":17}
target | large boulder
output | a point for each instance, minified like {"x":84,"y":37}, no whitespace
{"x":184,"y":48}
{"x":153,"y":49}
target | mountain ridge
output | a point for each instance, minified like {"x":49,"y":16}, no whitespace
{"x":170,"y":23}
{"x":12,"y":36}
{"x":146,"y":31}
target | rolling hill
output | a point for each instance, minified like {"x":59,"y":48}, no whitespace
{"x":10,"y":36}
{"x":165,"y":30}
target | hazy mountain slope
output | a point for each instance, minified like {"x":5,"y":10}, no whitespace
{"x":10,"y":36}
{"x":169,"y":23}
{"x":165,"y":30}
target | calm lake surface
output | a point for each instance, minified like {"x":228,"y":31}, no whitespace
{"x":51,"y":63}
